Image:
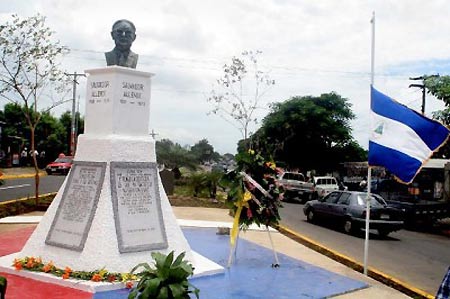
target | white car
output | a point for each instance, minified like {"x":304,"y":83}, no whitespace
{"x":325,"y":184}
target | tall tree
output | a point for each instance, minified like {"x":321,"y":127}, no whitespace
{"x":29,"y":70}
{"x":308,"y":132}
{"x":15,"y":129}
{"x":439,"y":86}
{"x":66,"y":121}
{"x":50,"y":137}
{"x":173,"y":155}
{"x":202,"y":151}
{"x":239,"y":90}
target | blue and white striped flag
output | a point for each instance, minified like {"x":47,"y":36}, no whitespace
{"x":402,"y":139}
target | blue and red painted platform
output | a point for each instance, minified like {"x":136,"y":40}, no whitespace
{"x":251,"y":275}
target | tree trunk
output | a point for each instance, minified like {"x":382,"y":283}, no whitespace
{"x":36,"y":169}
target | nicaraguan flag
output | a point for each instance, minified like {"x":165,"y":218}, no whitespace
{"x":402,"y":139}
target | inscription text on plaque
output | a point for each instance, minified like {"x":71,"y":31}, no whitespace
{"x":137,"y":206}
{"x":77,"y":207}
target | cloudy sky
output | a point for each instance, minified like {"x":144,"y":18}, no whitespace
{"x":309,"y":48}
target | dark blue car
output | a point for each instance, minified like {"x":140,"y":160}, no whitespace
{"x":348,"y":209}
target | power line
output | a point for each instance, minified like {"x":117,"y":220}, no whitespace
{"x":207,"y":64}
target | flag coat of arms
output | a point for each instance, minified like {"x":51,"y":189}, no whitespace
{"x":402,"y":139}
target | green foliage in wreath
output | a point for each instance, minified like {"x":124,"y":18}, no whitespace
{"x":263,"y":207}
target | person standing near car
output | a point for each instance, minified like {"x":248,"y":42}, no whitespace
{"x":24,"y":157}
{"x":363,"y":184}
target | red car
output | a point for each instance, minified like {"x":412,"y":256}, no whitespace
{"x":61,"y":165}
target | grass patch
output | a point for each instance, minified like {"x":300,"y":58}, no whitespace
{"x":188,"y":201}
{"x":17,"y":207}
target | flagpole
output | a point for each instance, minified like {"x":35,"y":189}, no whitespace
{"x":369,"y":169}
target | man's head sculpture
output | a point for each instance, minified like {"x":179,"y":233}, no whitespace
{"x":123,"y":33}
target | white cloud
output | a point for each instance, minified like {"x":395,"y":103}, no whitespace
{"x":309,"y":47}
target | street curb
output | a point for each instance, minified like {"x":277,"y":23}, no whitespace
{"x":343,"y":259}
{"x":20,"y":176}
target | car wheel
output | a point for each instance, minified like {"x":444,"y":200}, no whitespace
{"x":348,"y":226}
{"x":48,"y":172}
{"x":310,"y":216}
{"x":383,"y":233}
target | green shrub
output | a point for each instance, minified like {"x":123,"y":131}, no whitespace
{"x":168,"y":280}
{"x":197,"y":182}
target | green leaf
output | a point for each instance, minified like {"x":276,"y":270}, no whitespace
{"x":177,"y":290}
{"x":169,"y":260}
{"x":163,"y":293}
{"x":159,"y":259}
{"x":133,"y":294}
{"x":146,"y":266}
{"x":178,"y":274}
{"x":179,"y":259}
{"x":195,"y":290}
{"x":187,"y":268}
{"x":151,"y":288}
{"x":153,"y":284}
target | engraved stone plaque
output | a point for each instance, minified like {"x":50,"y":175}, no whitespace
{"x":137,"y":206}
{"x":117,"y":101}
{"x":77,"y":207}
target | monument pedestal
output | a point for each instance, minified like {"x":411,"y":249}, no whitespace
{"x":111,"y":212}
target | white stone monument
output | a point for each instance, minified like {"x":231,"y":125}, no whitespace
{"x":112,"y":212}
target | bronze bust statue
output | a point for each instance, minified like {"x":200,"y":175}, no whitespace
{"x":123,"y":33}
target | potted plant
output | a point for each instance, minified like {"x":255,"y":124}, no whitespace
{"x":167,"y":280}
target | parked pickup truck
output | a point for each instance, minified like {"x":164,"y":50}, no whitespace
{"x":295,"y":187}
{"x":325,"y":184}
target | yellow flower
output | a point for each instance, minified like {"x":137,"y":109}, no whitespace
{"x":102,"y":273}
{"x":247,"y":196}
{"x":128,"y":276}
{"x":271,"y":165}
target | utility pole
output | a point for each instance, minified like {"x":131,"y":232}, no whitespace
{"x":72,"y":130}
{"x":422,"y":86}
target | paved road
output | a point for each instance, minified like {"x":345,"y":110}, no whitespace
{"x":419,"y":259}
{"x":20,"y":188}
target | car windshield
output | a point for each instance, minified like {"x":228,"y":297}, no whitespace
{"x":375,"y":200}
{"x":64,"y":160}
{"x":294,"y":176}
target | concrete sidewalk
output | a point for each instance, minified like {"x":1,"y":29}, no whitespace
{"x":283,"y":245}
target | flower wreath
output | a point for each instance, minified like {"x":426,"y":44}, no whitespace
{"x":253,"y":195}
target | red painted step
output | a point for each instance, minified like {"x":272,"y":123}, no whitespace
{"x":24,"y":288}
